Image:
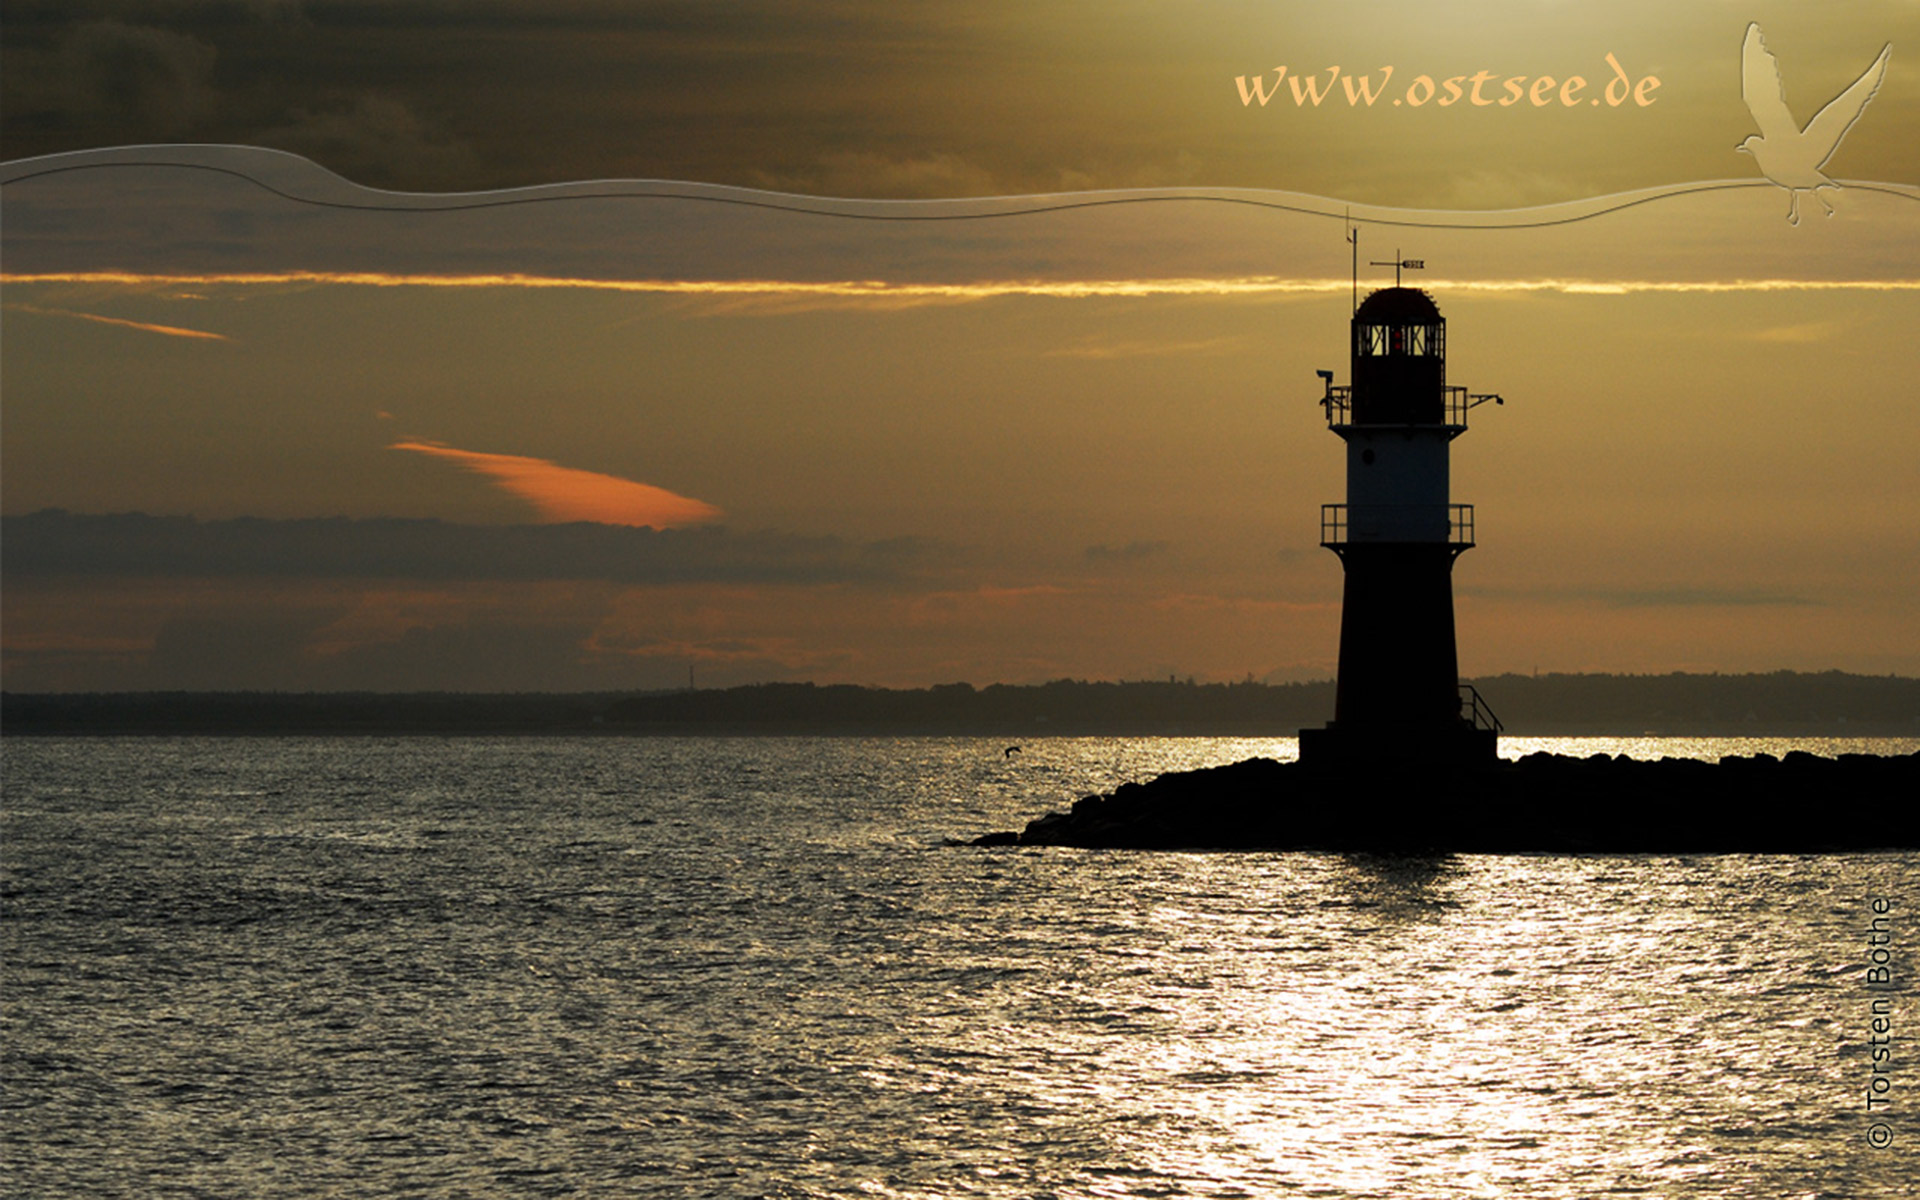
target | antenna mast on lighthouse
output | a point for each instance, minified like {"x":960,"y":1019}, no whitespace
{"x":1353,"y":239}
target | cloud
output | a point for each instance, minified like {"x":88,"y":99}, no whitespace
{"x":56,"y":544}
{"x":1809,"y":331}
{"x":1101,"y":347}
{"x":1131,"y":552}
{"x":765,"y":656}
{"x":1704,"y":597}
{"x":1654,"y":597}
{"x":375,"y":140}
{"x":881,"y":293}
{"x":146,"y":81}
{"x":949,"y":97}
{"x":118,"y":81}
{"x":928,"y":176}
{"x":144,"y":326}
{"x":205,"y":15}
{"x":131,"y":601}
{"x":568,"y":494}
{"x":186,"y":217}
{"x":1501,"y":187}
{"x":480,"y":652}
{"x":234,"y":646}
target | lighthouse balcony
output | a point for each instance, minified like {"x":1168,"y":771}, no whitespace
{"x":1342,"y":525}
{"x":1451,"y":411}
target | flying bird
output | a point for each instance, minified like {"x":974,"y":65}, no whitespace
{"x":1788,"y":155}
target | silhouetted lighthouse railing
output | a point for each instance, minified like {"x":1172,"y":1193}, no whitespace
{"x":1457,"y":402}
{"x":1399,"y":697}
{"x":1477,"y":711}
{"x":1342,"y":524}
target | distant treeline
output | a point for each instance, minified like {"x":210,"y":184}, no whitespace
{"x":1829,"y":702}
{"x":1784,"y":702}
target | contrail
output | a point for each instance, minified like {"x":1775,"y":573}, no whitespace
{"x":147,"y":326}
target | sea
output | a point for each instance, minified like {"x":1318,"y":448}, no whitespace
{"x":747,"y":967}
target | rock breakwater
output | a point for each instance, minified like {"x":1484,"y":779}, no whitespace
{"x":1542,"y":803}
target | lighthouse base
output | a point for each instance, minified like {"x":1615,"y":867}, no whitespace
{"x":1374,"y":747}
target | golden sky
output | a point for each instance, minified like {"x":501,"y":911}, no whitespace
{"x":943,"y":97}
{"x":309,"y":446}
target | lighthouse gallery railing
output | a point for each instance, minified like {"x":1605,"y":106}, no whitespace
{"x":1386,"y":523}
{"x":1339,"y":405}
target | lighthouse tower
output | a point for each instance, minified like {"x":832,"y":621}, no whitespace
{"x":1399,"y":699}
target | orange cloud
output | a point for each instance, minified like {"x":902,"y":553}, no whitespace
{"x":168,"y":330}
{"x":566,"y":494}
{"x":883,"y":291}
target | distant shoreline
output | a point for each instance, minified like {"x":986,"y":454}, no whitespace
{"x":1779,"y":704}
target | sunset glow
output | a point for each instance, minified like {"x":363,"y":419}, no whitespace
{"x":880,"y":289}
{"x":997,"y":377}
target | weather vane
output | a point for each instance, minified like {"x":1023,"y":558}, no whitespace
{"x":1399,"y":264}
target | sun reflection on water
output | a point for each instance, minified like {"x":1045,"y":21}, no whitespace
{"x":750,"y":967}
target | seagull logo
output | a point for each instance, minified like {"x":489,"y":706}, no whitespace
{"x":1789,"y":155}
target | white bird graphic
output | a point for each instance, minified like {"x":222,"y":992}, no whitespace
{"x":1788,"y":155}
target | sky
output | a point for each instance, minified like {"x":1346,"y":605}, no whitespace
{"x":268,"y":424}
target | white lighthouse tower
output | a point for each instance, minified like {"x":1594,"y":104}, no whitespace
{"x":1399,"y":697}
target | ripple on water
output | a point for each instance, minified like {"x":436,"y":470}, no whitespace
{"x":745,"y":967}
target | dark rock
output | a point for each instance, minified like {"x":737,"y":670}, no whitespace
{"x":1008,"y":838}
{"x":1542,"y":803}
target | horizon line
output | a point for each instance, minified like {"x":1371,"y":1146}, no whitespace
{"x":1189,"y":680}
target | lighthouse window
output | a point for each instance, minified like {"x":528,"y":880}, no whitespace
{"x":1377,"y":340}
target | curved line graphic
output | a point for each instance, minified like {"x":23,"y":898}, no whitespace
{"x":27,"y":170}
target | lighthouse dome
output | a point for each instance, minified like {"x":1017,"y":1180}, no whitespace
{"x":1399,"y":359}
{"x":1397,"y":306}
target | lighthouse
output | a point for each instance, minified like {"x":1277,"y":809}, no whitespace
{"x":1399,"y":700}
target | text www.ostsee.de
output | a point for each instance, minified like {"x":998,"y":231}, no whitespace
{"x":1482,"y":89}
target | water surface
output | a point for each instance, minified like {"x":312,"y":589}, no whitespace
{"x":745,"y":967}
